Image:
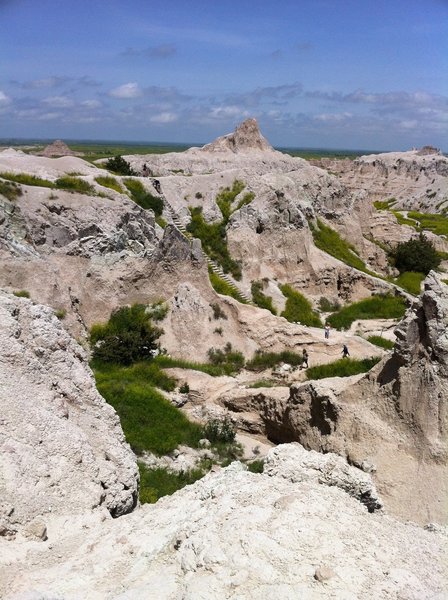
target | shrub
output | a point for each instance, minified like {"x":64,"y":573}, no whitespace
{"x":73,"y":184}
{"x":128,"y":336}
{"x":119,"y":165}
{"x":256,"y":466}
{"x":298,"y":308}
{"x":219,"y":430}
{"x":268,"y":360}
{"x":110,"y":182}
{"x":416,"y":255}
{"x":260,"y":299}
{"x":218,"y":313}
{"x":226,"y":197}
{"x":198,"y":195}
{"x":61,"y":313}
{"x":158,"y":310}
{"x":378,"y":340}
{"x":384,"y":204}
{"x":218,"y":330}
{"x":326,"y":306}
{"x":184,"y":388}
{"x":375,"y":307}
{"x":10,"y":190}
{"x":21,"y":294}
{"x":166,"y":362}
{"x":344,"y":367}
{"x":231,"y":360}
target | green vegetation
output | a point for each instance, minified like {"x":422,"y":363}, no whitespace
{"x":184,"y":388}
{"x":149,"y":421}
{"x":119,"y":165}
{"x":127,"y":337}
{"x":344,"y":367}
{"x":402,"y":220}
{"x":61,"y":313}
{"x":156,"y":483}
{"x":144,"y":198}
{"x":213,"y":235}
{"x":222,"y":287}
{"x":214,"y":241}
{"x":384,"y":204}
{"x":260,"y":299}
{"x":410,"y":281}
{"x":417,"y":255}
{"x":378,"y":340}
{"x":231,"y":361}
{"x":74,"y":184}
{"x":268,"y":360}
{"x":298,"y":309}
{"x":220,"y":430}
{"x":256,"y":466}
{"x":10,"y":190}
{"x":263,"y":383}
{"x":330,"y":241}
{"x":161,"y":222}
{"x":218,"y":313}
{"x":326,"y":306}
{"x":166,"y":362}
{"x":21,"y":294}
{"x":375,"y":307}
{"x":436,"y":223}
{"x":110,"y":182}
{"x":27,"y":179}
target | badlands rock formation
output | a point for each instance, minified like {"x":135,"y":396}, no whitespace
{"x":57,"y":148}
{"x":62,"y":447}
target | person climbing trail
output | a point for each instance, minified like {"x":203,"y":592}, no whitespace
{"x":345,"y":352}
{"x":304,"y":359}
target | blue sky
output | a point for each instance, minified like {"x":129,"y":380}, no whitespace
{"x":361,"y":74}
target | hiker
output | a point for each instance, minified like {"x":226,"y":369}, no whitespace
{"x":345,"y":352}
{"x":156,"y":184}
{"x":304,"y":359}
{"x":145,"y":171}
{"x":327,"y":331}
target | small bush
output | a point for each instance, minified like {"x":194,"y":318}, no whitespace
{"x":158,"y":310}
{"x":326,"y":306}
{"x":416,"y":255}
{"x":21,"y":294}
{"x":218,"y":313}
{"x":10,"y":190}
{"x":268,"y":360}
{"x":219,"y":430}
{"x":110,"y":182}
{"x":119,"y":165}
{"x":73,"y":184}
{"x":184,"y":388}
{"x":256,"y":466}
{"x":231,"y":360}
{"x":298,"y":308}
{"x":218,"y":330}
{"x":375,"y":307}
{"x":198,"y":195}
{"x":344,"y":367}
{"x":381,"y":342}
{"x":260,"y":299}
{"x":61,"y":313}
{"x":129,"y":336}
{"x":226,"y":197}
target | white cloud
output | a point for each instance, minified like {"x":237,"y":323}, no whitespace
{"x":333,"y":117}
{"x":4,"y":99}
{"x":91,"y":104}
{"x":164,"y":117}
{"x":58,"y":102}
{"x":225,"y":112}
{"x":127,"y":90}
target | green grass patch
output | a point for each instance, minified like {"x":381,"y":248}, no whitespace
{"x":384,"y":204}
{"x":263,"y":383}
{"x":27,"y":179}
{"x":144,"y":198}
{"x":226,"y":197}
{"x":222,"y":287}
{"x":298,"y":309}
{"x":10,"y":190}
{"x":436,"y":223}
{"x":381,"y":342}
{"x":402,"y":220}
{"x":410,"y":281}
{"x":156,"y":483}
{"x":149,"y":421}
{"x":167,"y":362}
{"x":344,"y":367}
{"x":110,"y":182}
{"x":256,"y":466}
{"x":268,"y":360}
{"x":332,"y":243}
{"x":260,"y":299}
{"x":375,"y":307}
{"x":74,"y":184}
{"x":22,"y":294}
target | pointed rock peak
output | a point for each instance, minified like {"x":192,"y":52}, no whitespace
{"x":245,"y":138}
{"x":428,"y":150}
{"x":57,"y":148}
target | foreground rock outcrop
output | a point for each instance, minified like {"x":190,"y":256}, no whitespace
{"x":62,"y":449}
{"x":295,"y":532}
